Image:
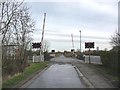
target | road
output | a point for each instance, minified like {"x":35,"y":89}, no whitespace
{"x":57,"y":76}
{"x":63,"y":59}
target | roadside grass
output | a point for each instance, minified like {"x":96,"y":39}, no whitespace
{"x":108,"y":73}
{"x":33,"y":68}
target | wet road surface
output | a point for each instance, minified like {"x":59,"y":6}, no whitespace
{"x":63,"y":59}
{"x":57,"y":76}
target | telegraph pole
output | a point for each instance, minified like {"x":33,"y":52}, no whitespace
{"x":0,"y":61}
{"x":72,"y":41}
{"x":73,"y":45}
{"x":42,"y":36}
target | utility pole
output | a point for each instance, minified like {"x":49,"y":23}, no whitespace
{"x":72,"y":41}
{"x":1,"y":61}
{"x":41,"y":48}
{"x":73,"y":45}
{"x":80,"y":41}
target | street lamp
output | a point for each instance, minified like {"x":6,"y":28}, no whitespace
{"x":80,"y":41}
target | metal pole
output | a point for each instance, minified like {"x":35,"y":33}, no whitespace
{"x":89,"y":56}
{"x":72,"y":41}
{"x":0,"y":62}
{"x":40,"y":54}
{"x":73,"y":45}
{"x":80,"y":41}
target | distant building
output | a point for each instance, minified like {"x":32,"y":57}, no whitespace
{"x":97,"y":48}
{"x":52,"y":54}
{"x":53,"y":51}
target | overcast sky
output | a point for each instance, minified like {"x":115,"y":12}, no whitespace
{"x":97,"y":20}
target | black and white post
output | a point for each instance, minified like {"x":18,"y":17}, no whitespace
{"x":41,"y":48}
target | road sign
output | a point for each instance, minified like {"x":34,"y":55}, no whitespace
{"x":36,"y":45}
{"x":72,"y":50}
{"x":52,"y":51}
{"x":89,"y":44}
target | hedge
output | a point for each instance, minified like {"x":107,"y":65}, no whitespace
{"x":110,"y":60}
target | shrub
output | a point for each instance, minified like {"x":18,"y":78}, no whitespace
{"x":110,"y":60}
{"x":46,"y":56}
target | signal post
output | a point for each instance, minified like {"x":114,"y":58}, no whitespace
{"x":89,"y":45}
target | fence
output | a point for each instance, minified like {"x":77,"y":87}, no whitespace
{"x":38,"y":58}
{"x":93,"y":59}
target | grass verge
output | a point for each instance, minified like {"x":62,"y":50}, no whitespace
{"x":33,"y":68}
{"x":107,"y":73}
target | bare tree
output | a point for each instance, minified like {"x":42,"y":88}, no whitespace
{"x":115,"y":40}
{"x":45,"y":46}
{"x":16,"y":26}
{"x":7,"y":12}
{"x":15,"y":22}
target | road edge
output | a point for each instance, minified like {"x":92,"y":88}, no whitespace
{"x":85,"y":80}
{"x":35,"y":75}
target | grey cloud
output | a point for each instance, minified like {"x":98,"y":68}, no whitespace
{"x":75,"y":14}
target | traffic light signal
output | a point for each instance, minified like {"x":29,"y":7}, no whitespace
{"x":92,"y":45}
{"x":52,"y":50}
{"x":72,"y":50}
{"x":86,"y":45}
{"x":40,"y":45}
{"x":36,"y":45}
{"x":89,"y":44}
